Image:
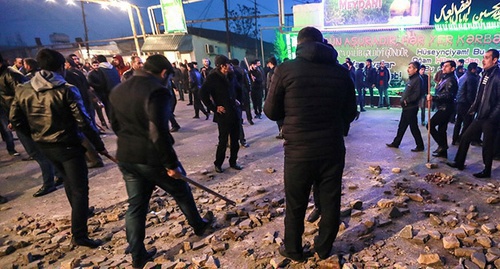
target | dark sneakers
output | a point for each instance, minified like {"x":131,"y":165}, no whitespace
{"x":86,"y":242}
{"x":314,"y":216}
{"x":236,"y":166}
{"x":483,"y":174}
{"x":218,"y":169}
{"x":207,"y":222}
{"x":456,"y":165}
{"x":298,"y":257}
{"x":417,"y":149}
{"x":3,"y":200}
{"x":392,"y":145}
{"x":44,"y":190}
{"x":148,"y":257}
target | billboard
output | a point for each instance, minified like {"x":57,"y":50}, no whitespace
{"x":465,"y":14}
{"x":338,"y":13}
{"x":173,"y":16}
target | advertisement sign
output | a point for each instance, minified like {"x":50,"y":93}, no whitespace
{"x":173,"y":16}
{"x":449,"y":15}
{"x":399,"y":48}
{"x":339,"y":13}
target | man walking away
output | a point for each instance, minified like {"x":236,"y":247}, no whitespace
{"x":360,"y":86}
{"x":313,"y":129}
{"x":52,"y":111}
{"x":145,"y":153}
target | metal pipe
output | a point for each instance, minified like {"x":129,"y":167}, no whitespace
{"x":134,"y":32}
{"x":86,"y":31}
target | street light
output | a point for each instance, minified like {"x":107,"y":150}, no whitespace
{"x":114,"y":3}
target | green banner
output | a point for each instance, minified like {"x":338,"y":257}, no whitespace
{"x":173,"y":16}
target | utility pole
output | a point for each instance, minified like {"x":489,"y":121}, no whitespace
{"x":228,"y":37}
{"x":256,"y":30}
{"x":86,"y":31}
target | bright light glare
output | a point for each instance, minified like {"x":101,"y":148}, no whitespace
{"x":50,"y":1}
{"x":70,"y":3}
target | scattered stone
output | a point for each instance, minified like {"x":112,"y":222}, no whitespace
{"x":469,"y":229}
{"x":439,"y":178}
{"x":450,"y":242}
{"x":219,"y":247}
{"x":6,"y":250}
{"x":70,"y":264}
{"x":489,"y":228}
{"x":396,"y":170}
{"x":470,"y":265}
{"x":385,"y":203}
{"x":421,"y":238}
{"x":246,"y":224}
{"x":406,"y":232}
{"x":444,"y":197}
{"x":430,"y":259}
{"x":450,"y":221}
{"x":415,"y":197}
{"x":198,"y":245}
{"x":356,"y":204}
{"x":352,"y":186}
{"x":435,"y":220}
{"x":375,"y":169}
{"x":270,"y":170}
{"x":484,"y":241}
{"x":394,"y":212}
{"x":493,"y":200}
{"x":458,"y":232}
{"x":431,"y":165}
{"x":435,"y":234}
{"x":464,"y":252}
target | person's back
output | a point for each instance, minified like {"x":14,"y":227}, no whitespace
{"x":319,"y":99}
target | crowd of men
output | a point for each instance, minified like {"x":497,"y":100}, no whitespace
{"x":139,"y":100}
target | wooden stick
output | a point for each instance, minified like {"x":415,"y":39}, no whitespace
{"x":429,"y":117}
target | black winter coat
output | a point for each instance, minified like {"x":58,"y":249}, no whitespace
{"x":315,"y":97}
{"x":467,"y":93}
{"x":445,"y":92}
{"x":490,"y":109}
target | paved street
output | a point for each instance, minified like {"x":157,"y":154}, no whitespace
{"x":261,"y":182}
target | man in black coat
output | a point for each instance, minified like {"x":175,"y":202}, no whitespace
{"x":465,"y":97}
{"x":409,"y":102}
{"x":146,"y":157}
{"x":219,"y":93}
{"x":315,"y":97}
{"x":486,"y":108}
{"x":370,"y":79}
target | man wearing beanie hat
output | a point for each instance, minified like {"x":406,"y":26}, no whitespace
{"x":146,"y":157}
{"x":315,"y":98}
{"x":221,"y":94}
{"x":52,"y":111}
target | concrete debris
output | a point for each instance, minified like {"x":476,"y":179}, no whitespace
{"x":375,"y":169}
{"x":439,"y":178}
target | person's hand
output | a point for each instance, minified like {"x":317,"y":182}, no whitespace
{"x":221,"y":110}
{"x":104,"y":152}
{"x":10,"y":126}
{"x":429,"y":97}
{"x":175,"y":173}
{"x":237,"y":102}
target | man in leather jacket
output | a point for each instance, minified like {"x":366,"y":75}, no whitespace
{"x":486,"y":108}
{"x":52,"y":111}
{"x":443,"y":97}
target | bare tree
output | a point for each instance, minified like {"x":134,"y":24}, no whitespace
{"x":244,"y":23}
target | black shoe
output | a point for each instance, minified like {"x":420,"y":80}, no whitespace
{"x":3,"y":200}
{"x":14,"y":153}
{"x":456,"y":165}
{"x":189,"y":104}
{"x":280,"y":136}
{"x":29,"y":158}
{"x":424,"y":123}
{"x":314,"y":216}
{"x":196,"y":117}
{"x":438,"y":150}
{"x":174,"y":129}
{"x":59,"y":181}
{"x":44,"y":190}
{"x":441,"y":154}
{"x":207,"y":116}
{"x":236,"y":166}
{"x":295,"y":257}
{"x":251,"y":122}
{"x":245,"y":145}
{"x":417,"y":149}
{"x":482,"y":174}
{"x":392,"y":145}
{"x":86,"y":242}
{"x":139,"y":264}
{"x":207,"y":222}
{"x":96,"y":165}
{"x":477,"y":143}
{"x":218,"y":169}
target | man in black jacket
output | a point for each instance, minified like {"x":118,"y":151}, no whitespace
{"x":443,"y":98}
{"x":313,"y":128}
{"x":409,"y":102}
{"x":146,"y":157}
{"x":465,"y":97}
{"x":486,"y":108}
{"x":52,"y":111}
{"x":370,"y":79}
{"x":105,"y":78}
{"x":222,"y":95}
{"x":383,"y":78}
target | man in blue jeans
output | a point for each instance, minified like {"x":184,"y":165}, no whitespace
{"x":146,"y":157}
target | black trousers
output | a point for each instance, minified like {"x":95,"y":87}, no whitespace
{"x":409,"y":118}
{"x":70,"y":160}
{"x":440,"y":120}
{"x":257,"y":93}
{"x":197,"y":103}
{"x":299,"y":177}
{"x":246,"y":104}
{"x":490,"y":130}
{"x":462,"y":118}
{"x":228,"y":128}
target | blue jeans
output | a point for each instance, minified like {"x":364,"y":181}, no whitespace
{"x":140,"y":181}
{"x":384,"y":96}
{"x":361,"y":98}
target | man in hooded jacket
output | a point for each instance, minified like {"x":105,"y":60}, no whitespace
{"x":315,"y":97}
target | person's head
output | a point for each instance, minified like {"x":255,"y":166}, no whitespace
{"x":368,"y":62}
{"x":70,"y":63}
{"x":472,"y":67}
{"x":460,"y":69}
{"x":101,"y":58}
{"x":190,"y":66}
{"x":382,"y":64}
{"x":95,"y":64}
{"x":223,"y":64}
{"x":195,"y":64}
{"x":136,"y":62}
{"x":413,"y":68}
{"x":348,"y":60}
{"x":441,"y":65}
{"x":361,"y":65}
{"x":30,"y":64}
{"x":159,"y":66}
{"x":50,"y":60}
{"x":18,"y":62}
{"x":449,"y":67}
{"x":461,"y":62}
{"x":75,"y":58}
{"x":118,"y":61}
{"x":206,"y":62}
{"x":309,"y":34}
{"x":272,"y":62}
{"x":490,"y":59}
{"x":422,"y":69}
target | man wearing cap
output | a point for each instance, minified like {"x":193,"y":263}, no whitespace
{"x":221,"y":94}
{"x":146,"y":157}
{"x":315,"y":97}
